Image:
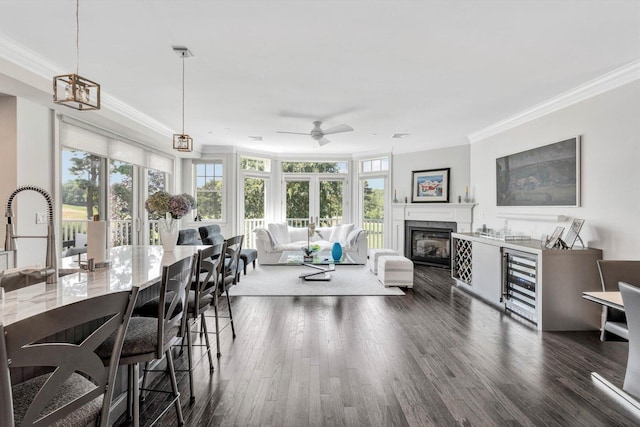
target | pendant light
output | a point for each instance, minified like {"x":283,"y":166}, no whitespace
{"x":75,"y":91}
{"x":182,"y":141}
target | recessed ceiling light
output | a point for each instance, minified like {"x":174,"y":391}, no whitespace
{"x":399,"y":135}
{"x":255,"y":138}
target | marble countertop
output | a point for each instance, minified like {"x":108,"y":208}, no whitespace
{"x":130,"y":266}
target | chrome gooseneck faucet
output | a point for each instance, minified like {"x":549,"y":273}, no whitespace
{"x":51,"y":262}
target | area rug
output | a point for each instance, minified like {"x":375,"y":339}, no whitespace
{"x":276,"y":280}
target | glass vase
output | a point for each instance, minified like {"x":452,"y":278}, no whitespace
{"x":168,"y":230}
{"x":336,"y":251}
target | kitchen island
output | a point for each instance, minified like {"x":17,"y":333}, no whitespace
{"x":130,"y":266}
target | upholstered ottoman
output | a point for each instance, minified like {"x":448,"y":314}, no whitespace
{"x":395,"y":270}
{"x":249,"y":256}
{"x":373,"y":256}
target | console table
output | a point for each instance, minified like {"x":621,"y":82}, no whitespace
{"x":542,"y":285}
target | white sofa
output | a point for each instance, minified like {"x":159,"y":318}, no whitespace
{"x":274,"y":239}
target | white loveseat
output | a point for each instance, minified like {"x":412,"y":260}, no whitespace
{"x":274,"y":239}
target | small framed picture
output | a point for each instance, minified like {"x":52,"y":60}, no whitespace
{"x":573,"y":232}
{"x":430,"y":186}
{"x":553,"y":240}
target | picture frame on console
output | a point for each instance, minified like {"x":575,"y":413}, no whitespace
{"x":430,"y":186}
{"x":553,"y":240}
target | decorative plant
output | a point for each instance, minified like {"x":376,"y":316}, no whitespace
{"x":161,"y":203}
{"x":311,"y":230}
{"x":166,"y":207}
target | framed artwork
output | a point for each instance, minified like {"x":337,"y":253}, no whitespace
{"x":430,"y":186}
{"x":553,"y":240}
{"x":574,"y":232}
{"x":543,"y":176}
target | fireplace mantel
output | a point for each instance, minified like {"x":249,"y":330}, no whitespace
{"x":460,"y":213}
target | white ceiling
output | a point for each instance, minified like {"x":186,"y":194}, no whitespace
{"x":437,"y":70}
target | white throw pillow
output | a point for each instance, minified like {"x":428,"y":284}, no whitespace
{"x":325,"y":233}
{"x":344,"y":233}
{"x":340,"y":233}
{"x":280,"y":233}
{"x":335,"y":233}
{"x":297,"y":234}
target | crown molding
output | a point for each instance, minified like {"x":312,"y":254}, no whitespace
{"x":604,"y":83}
{"x":44,"y":71}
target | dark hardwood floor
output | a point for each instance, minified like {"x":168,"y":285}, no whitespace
{"x":436,"y":356}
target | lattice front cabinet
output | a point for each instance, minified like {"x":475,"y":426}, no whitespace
{"x":462,"y":261}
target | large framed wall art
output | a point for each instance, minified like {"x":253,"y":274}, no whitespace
{"x":543,"y":176}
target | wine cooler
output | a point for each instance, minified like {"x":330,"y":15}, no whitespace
{"x":519,"y":283}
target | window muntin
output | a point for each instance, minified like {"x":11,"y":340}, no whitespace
{"x":315,"y":167}
{"x":374,"y":165}
{"x":209,"y":189}
{"x":255,"y":164}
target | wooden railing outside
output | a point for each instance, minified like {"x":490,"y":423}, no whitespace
{"x":249,"y":235}
{"x":375,"y":232}
{"x":122,"y":230}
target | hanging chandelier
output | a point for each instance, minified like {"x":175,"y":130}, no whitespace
{"x":182,"y":141}
{"x":73,"y":90}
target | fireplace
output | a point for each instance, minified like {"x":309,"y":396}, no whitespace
{"x":429,"y":242}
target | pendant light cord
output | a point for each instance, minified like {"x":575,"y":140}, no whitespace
{"x":77,"y":37}
{"x":182,"y":93}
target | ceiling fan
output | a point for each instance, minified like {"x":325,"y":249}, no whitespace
{"x":318,"y":134}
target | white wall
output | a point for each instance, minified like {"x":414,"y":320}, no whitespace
{"x":8,"y":160}
{"x":609,"y":125}
{"x":456,"y":158}
{"x":35,"y":147}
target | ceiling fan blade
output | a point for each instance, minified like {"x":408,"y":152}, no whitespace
{"x":293,"y":133}
{"x":337,"y":129}
{"x":323,"y":141}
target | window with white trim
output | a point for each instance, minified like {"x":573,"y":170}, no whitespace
{"x":209,"y":189}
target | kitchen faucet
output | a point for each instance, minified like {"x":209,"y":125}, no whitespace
{"x":51,"y":263}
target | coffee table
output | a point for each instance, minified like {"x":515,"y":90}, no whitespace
{"x":322,"y":262}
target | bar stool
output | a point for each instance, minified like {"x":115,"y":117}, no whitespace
{"x":149,"y":338}
{"x":203,"y":296}
{"x":230,"y":276}
{"x":77,"y":388}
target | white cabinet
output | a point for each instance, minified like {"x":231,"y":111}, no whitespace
{"x":487,"y":269}
{"x":478,"y":268}
{"x":557,"y":280}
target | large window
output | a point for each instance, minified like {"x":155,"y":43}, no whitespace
{"x":82,"y":177}
{"x":373,"y":193}
{"x":254,"y":183}
{"x":121,"y":202}
{"x":209,"y":189}
{"x":315,"y":190}
{"x":105,"y":174}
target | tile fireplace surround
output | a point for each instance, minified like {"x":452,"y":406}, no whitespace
{"x":460,"y":213}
